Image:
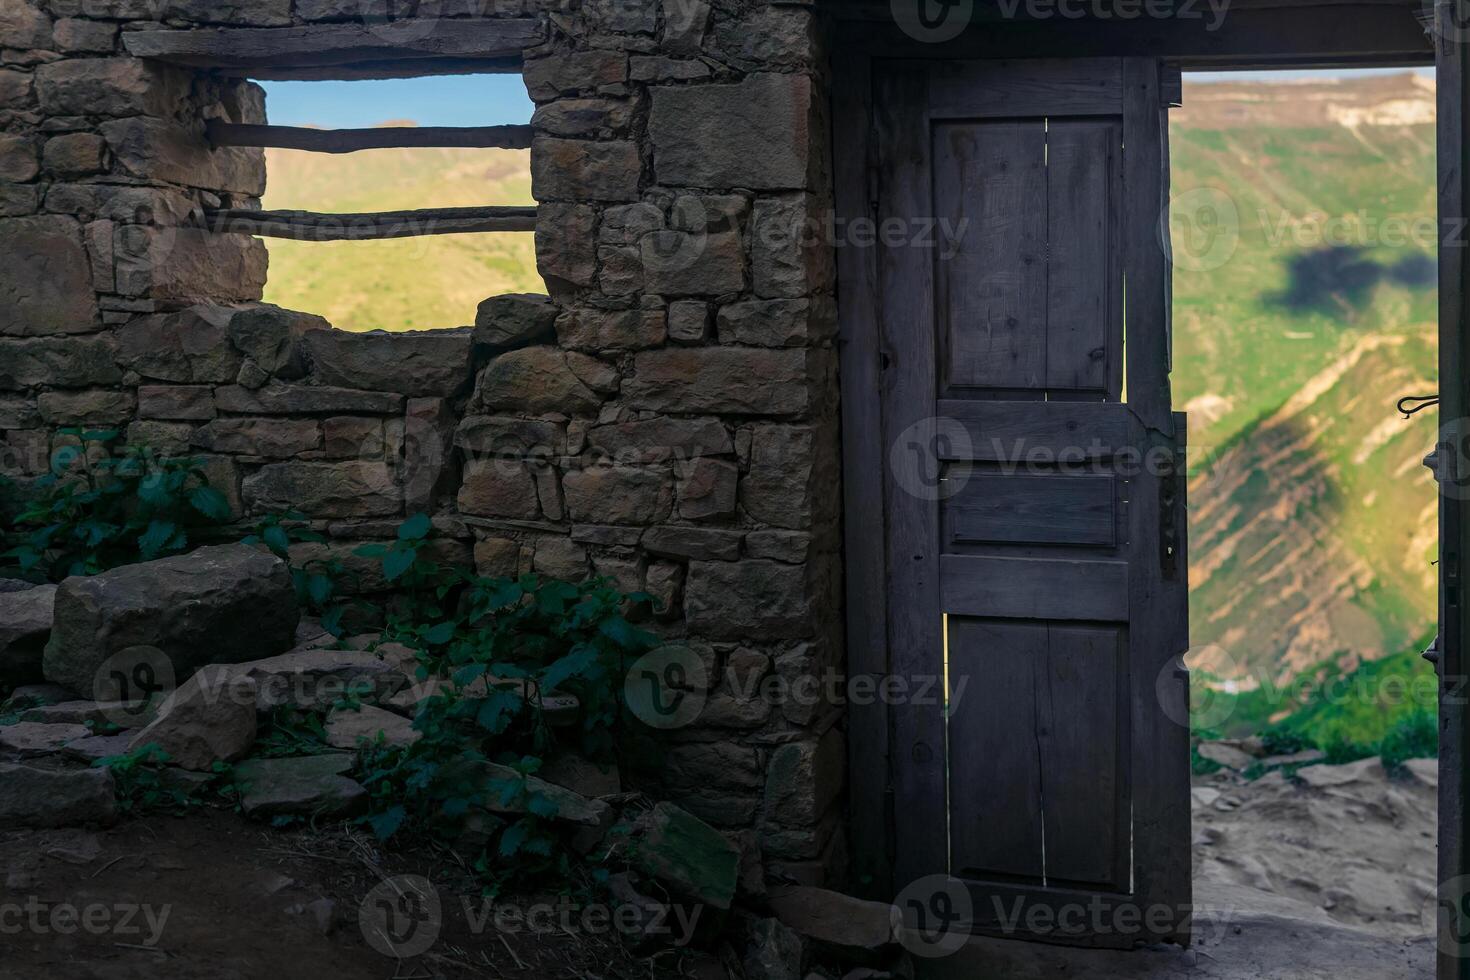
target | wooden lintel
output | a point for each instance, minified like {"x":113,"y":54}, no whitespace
{"x":313,"y":226}
{"x":382,"y":137}
{"x":245,"y":50}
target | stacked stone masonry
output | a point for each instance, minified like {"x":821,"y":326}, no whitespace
{"x":667,"y":418}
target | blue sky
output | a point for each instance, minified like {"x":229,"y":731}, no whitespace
{"x":440,"y":100}
{"x":493,"y":100}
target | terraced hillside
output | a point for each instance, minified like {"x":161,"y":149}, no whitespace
{"x":1312,"y":519}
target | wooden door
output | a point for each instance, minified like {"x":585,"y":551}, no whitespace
{"x":1035,"y":512}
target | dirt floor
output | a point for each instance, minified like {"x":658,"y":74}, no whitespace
{"x":211,"y":896}
{"x":1328,"y":875}
{"x":1325,"y":876}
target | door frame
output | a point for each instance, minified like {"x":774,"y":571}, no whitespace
{"x":856,"y":44}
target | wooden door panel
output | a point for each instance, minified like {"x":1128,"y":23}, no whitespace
{"x":990,"y":180}
{"x":1055,"y":594}
{"x":1084,"y":337}
{"x":1037,"y":777}
{"x":1032,"y":508}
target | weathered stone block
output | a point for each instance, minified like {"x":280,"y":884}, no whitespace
{"x":209,"y":718}
{"x":74,"y":154}
{"x":684,"y":25}
{"x":282,"y":438}
{"x":583,"y":117}
{"x":425,"y":461}
{"x":191,"y":402}
{"x":34,"y":797}
{"x":618,"y":495}
{"x":766,"y":37}
{"x":350,"y":437}
{"x":242,"y":13}
{"x":45,"y":278}
{"x":786,"y":464}
{"x":305,"y":786}
{"x":348,"y":489}
{"x":584,"y":170}
{"x":595,"y":331}
{"x":499,"y":488}
{"x":569,"y":72}
{"x":737,"y":381}
{"x":689,"y":322}
{"x":514,"y":320}
{"x":687,"y":855}
{"x":693,"y":542}
{"x":271,"y":337}
{"x":160,"y":149}
{"x":790,"y":254}
{"x":677,"y":263}
{"x":91,"y":36}
{"x":620,"y":270}
{"x":499,"y":558}
{"x":94,"y":407}
{"x":804,"y":779}
{"x":24,"y":26}
{"x":25,"y":625}
{"x":753,"y":134}
{"x":71,"y":362}
{"x":566,"y":246}
{"x":561,"y":559}
{"x":189,"y":264}
{"x":506,"y":435}
{"x":18,"y":158}
{"x":748,"y":600}
{"x":765,"y":323}
{"x":625,"y":225}
{"x":655,"y":70}
{"x":109,"y":87}
{"x":190,"y":346}
{"x":541,"y":379}
{"x":283,"y":399}
{"x":706,"y":488}
{"x":217,"y":604}
{"x":658,"y":440}
{"x":419,"y":362}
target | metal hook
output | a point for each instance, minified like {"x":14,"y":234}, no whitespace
{"x":1424,"y":401}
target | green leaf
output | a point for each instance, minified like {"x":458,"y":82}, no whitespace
{"x":440,"y":633}
{"x":398,"y":562}
{"x":277,"y":540}
{"x":386,"y":824}
{"x":514,"y":838}
{"x":415,"y":528}
{"x":498,"y":710}
{"x":541,"y":806}
{"x":210,"y":502}
{"x":582,"y":658}
{"x":318,"y":588}
{"x":156,"y":537}
{"x":370,"y":550}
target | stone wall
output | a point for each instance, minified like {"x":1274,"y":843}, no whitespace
{"x":667,"y":418}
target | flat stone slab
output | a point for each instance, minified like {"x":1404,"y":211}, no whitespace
{"x":89,"y":750}
{"x":82,"y":712}
{"x":348,"y":728}
{"x":834,"y":919}
{"x":312,"y":677}
{"x":29,"y":739}
{"x":306,"y":786}
{"x":35,"y":797}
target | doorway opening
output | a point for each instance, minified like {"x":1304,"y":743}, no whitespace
{"x":1305,"y":242}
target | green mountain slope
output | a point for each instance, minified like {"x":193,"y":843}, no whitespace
{"x":407,"y":283}
{"x":1312,"y":520}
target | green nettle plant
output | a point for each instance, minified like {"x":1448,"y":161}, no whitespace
{"x":492,"y":652}
{"x":94,"y":511}
{"x":144,"y":782}
{"x":316,"y":580}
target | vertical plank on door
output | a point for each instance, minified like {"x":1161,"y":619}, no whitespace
{"x":1084,"y":301}
{"x":1083,"y":714}
{"x":995,"y":766}
{"x":992,"y":293}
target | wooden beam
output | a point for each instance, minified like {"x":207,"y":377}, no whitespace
{"x":1320,"y":34}
{"x":381,"y":137}
{"x":313,"y":226}
{"x":250,"y":50}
